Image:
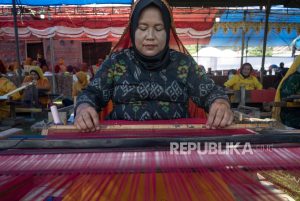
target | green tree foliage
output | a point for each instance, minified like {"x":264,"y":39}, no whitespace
{"x":192,"y":48}
{"x":258,"y":51}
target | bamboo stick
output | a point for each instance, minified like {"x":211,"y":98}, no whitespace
{"x":119,"y":127}
{"x":6,"y":96}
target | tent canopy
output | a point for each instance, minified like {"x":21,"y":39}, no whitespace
{"x":177,"y":3}
{"x":233,"y":3}
{"x":105,"y":23}
{"x":64,"y":2}
{"x":252,"y":38}
{"x":284,"y":26}
{"x":256,"y":14}
{"x":194,"y":24}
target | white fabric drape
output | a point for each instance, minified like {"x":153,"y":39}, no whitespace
{"x":103,"y":33}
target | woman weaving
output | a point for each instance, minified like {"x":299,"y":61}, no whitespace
{"x":147,"y":80}
{"x":289,"y":85}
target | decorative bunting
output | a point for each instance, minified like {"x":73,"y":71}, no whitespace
{"x":277,"y":26}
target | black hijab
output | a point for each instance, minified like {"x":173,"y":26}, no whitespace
{"x":162,"y":59}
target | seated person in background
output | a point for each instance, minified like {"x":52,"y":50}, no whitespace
{"x":71,"y":69}
{"x":99,"y":63}
{"x":80,"y":84}
{"x":46,"y":70}
{"x":290,"y":85}
{"x":88,"y":70}
{"x":279,"y":74}
{"x":28,"y":61}
{"x":35,"y":63}
{"x":39,"y":92}
{"x":282,"y":70}
{"x":209,"y":72}
{"x":6,"y":86}
{"x":244,"y":78}
{"x":231,"y":73}
{"x":273,"y":69}
{"x":60,"y":67}
{"x":41,"y":60}
{"x":56,"y":68}
{"x":11,"y":70}
{"x":147,"y":80}
{"x":14,"y":69}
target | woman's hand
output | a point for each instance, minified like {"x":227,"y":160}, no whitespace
{"x":220,"y":114}
{"x":87,"y":118}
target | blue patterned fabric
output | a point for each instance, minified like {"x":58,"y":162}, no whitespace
{"x":140,"y":94}
{"x":291,"y":86}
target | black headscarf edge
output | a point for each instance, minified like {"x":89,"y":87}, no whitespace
{"x":141,"y":5}
{"x":162,"y":59}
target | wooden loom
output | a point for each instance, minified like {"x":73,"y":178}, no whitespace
{"x":118,"y":163}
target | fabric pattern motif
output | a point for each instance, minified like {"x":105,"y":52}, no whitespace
{"x":140,"y":94}
{"x":291,"y":86}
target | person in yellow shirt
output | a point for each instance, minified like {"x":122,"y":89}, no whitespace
{"x":42,"y":85}
{"x":244,"y":79}
{"x":6,"y":86}
{"x":80,"y":84}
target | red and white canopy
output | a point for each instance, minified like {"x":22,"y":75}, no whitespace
{"x":192,"y":25}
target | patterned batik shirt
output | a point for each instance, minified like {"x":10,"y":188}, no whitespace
{"x":140,"y":94}
{"x":291,"y":86}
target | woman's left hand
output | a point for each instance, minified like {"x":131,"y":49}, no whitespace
{"x":220,"y":114}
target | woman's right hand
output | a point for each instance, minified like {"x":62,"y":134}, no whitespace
{"x":87,"y":119}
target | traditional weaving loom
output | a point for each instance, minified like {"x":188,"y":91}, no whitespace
{"x":133,"y":161}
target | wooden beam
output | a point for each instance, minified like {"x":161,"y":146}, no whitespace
{"x":72,"y":129}
{"x":274,"y":138}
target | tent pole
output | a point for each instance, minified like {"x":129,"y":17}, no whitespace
{"x":17,"y":40}
{"x":243,"y":38}
{"x":197,"y":50}
{"x":247,"y":46}
{"x":52,"y":66}
{"x":268,"y":9}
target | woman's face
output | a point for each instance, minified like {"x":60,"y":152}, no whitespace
{"x":34,"y":75}
{"x":150,"y":35}
{"x":45,"y":68}
{"x":246,"y":70}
